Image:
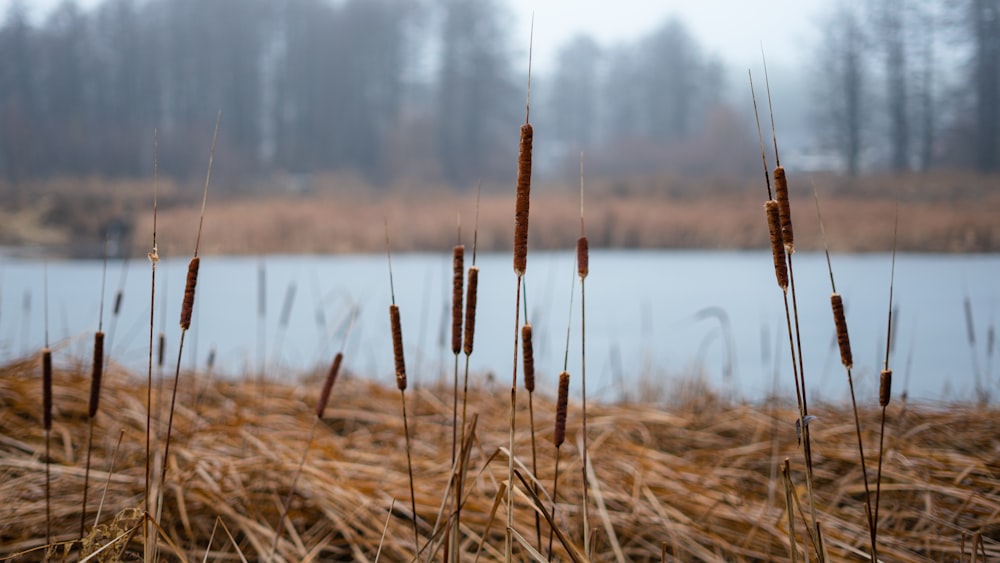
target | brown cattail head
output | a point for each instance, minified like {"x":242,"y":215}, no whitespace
{"x":192,"y":282}
{"x":522,"y":203}
{"x":784,"y":209}
{"x":470,"y":309}
{"x":96,"y":374}
{"x":161,"y":349}
{"x":582,"y":257}
{"x":777,"y":248}
{"x":559,"y":436}
{"x":331,"y":378}
{"x":47,"y":388}
{"x":843,"y":340}
{"x":397,"y":347}
{"x":458,"y":269}
{"x":885,"y":388}
{"x":529,"y":357}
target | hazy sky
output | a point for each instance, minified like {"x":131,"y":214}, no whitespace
{"x":732,"y":29}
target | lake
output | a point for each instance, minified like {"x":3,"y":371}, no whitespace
{"x":652,"y":317}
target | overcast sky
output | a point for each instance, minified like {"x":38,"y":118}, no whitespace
{"x":731,"y":29}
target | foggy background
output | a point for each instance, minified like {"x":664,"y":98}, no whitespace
{"x":431,"y":92}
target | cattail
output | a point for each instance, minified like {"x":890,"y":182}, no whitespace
{"x":192,"y":282}
{"x":458,"y":268}
{"x":397,"y":347}
{"x":529,"y":357}
{"x":843,"y":340}
{"x":885,"y":388}
{"x":522,"y":203}
{"x":47,"y":387}
{"x":777,"y":249}
{"x":470,"y":310}
{"x":784,"y":208}
{"x":118,"y":302}
{"x":331,"y":377}
{"x":98,"y":372}
{"x":582,"y":257}
{"x":559,"y":436}
{"x":161,"y":349}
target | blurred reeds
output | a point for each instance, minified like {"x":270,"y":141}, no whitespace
{"x":693,"y":475}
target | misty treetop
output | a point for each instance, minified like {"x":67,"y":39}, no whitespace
{"x":911,"y":84}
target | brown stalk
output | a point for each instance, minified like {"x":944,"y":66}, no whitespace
{"x":885,"y":380}
{"x":528,"y":361}
{"x":47,"y":412}
{"x":583,"y":269}
{"x":784,"y":274}
{"x":400,"y":364}
{"x":469,"y":334}
{"x":154,"y":258}
{"x":187,"y":308}
{"x":846,"y":358}
{"x":558,"y":437}
{"x":324,"y":397}
{"x":521,"y":209}
{"x":96,"y":374}
{"x":457,"y":282}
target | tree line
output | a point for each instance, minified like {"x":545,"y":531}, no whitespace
{"x":911,"y":84}
{"x":387,"y":89}
{"x":433,"y":90}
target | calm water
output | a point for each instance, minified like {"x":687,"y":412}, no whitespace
{"x":654,"y":316}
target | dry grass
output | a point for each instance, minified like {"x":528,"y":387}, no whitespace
{"x":694,"y":475}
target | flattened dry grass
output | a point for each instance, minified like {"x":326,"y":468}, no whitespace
{"x":694,"y":475}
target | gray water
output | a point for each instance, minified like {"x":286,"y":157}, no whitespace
{"x":652,"y":316}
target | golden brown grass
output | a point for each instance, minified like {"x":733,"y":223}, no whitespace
{"x":944,"y":212}
{"x":694,"y":474}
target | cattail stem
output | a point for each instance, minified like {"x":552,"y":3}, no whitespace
{"x":154,"y":258}
{"x":92,"y":408}
{"x":457,"y":282}
{"x":47,"y":425}
{"x":884,"y":396}
{"x":409,"y":467}
{"x":187,"y":308}
{"x":786,"y":479}
{"x":508,"y":544}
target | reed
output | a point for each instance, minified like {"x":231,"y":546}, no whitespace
{"x":885,"y":382}
{"x":847,"y":359}
{"x":187,"y":308}
{"x":521,"y":211}
{"x":583,"y":269}
{"x":324,"y":398}
{"x":558,"y":437}
{"x":468,"y":341}
{"x":528,"y":364}
{"x":786,"y":282}
{"x":153,"y":256}
{"x":400,"y":363}
{"x":96,"y":375}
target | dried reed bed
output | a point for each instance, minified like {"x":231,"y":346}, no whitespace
{"x":694,"y":475}
{"x":655,"y":219}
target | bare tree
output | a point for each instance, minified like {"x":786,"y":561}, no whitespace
{"x":842,"y":85}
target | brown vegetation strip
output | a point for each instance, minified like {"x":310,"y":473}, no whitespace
{"x":694,"y":474}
